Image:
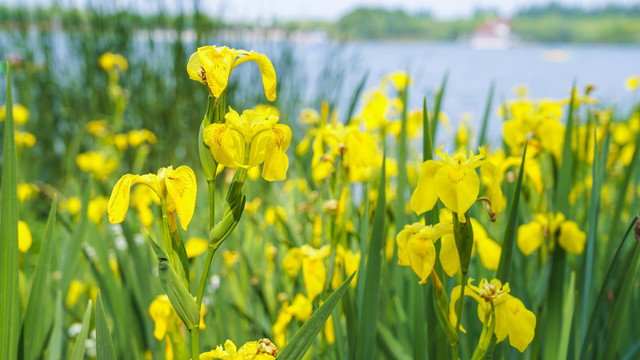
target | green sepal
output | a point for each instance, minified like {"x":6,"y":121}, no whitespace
{"x":463,"y":234}
{"x":178,"y":295}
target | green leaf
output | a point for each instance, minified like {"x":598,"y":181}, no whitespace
{"x":402,"y":179}
{"x":10,"y":298}
{"x":104,"y":344}
{"x":72,"y":249}
{"x":304,"y":337}
{"x":567,"y":317}
{"x":57,"y":341}
{"x":390,"y":346}
{"x":78,"y":348}
{"x":356,"y":96}
{"x":38,"y":316}
{"x":621,"y":305}
{"x":617,"y":265}
{"x":368,"y":313}
{"x":485,"y":118}
{"x":427,"y":143}
{"x":566,"y":170}
{"x":436,"y":110}
{"x":509,"y":240}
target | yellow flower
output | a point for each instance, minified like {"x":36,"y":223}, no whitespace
{"x":76,"y":288}
{"x":252,"y":206}
{"x":24,"y":138}
{"x":72,"y":205}
{"x":96,"y":209}
{"x":532,"y":235}
{"x":27,"y":191}
{"x":416,"y":248}
{"x":212,"y":66}
{"x":292,"y":261}
{"x":95,"y":163}
{"x":176,"y":188}
{"x":249,"y":140}
{"x":24,"y":237}
{"x":195,"y":246}
{"x":454,"y":181}
{"x":162,"y":314}
{"x":20,"y":114}
{"x":97,"y":127}
{"x":314,"y":272}
{"x":512,"y":319}
{"x":252,"y":350}
{"x":141,"y":200}
{"x":571,"y":238}
{"x":399,"y":79}
{"x":631,"y":83}
{"x":137,"y":137}
{"x":109,"y":61}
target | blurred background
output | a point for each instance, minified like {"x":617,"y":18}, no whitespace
{"x":321,"y":51}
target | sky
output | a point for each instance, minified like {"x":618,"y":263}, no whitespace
{"x":330,"y":10}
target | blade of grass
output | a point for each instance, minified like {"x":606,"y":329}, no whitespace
{"x":390,"y":346}
{"x":485,"y":118}
{"x":601,"y":301}
{"x":621,"y":305}
{"x":78,"y":348}
{"x":72,"y":249}
{"x":368,"y":314}
{"x":508,"y":242}
{"x":104,"y":344}
{"x":438,"y":104}
{"x":356,"y":96}
{"x":57,"y":341}
{"x":567,"y":318}
{"x":304,"y":337}
{"x":566,"y":170}
{"x":10,"y":298}
{"x":402,"y":180}
{"x":38,"y":316}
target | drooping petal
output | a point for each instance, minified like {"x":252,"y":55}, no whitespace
{"x":276,"y":161}
{"x":182,"y":188}
{"x":530,"y":237}
{"x":571,"y":238}
{"x":119,"y":200}
{"x":457,"y":188}
{"x":489,"y":252}
{"x":449,"y":258}
{"x":193,"y":68}
{"x":314,"y":274}
{"x":494,"y":183}
{"x":402,"y":240}
{"x":422,"y":256}
{"x":425,"y":196}
{"x":266,"y":69}
{"x":522,"y":323}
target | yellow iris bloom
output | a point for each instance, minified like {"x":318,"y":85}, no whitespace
{"x":252,"y":350}
{"x":177,"y":188}
{"x":455,"y":182}
{"x":249,"y":140}
{"x":511,"y":316}
{"x":531,"y":236}
{"x":212,"y":66}
{"x":416,"y":249}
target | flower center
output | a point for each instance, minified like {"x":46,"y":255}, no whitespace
{"x":420,"y":247}
{"x":456,"y":175}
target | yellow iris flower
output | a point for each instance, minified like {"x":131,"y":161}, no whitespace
{"x":531,"y":236}
{"x":416,"y":249}
{"x":248,"y":140}
{"x":252,"y":350}
{"x":212,"y":66}
{"x":177,"y":188}
{"x":511,"y":317}
{"x":455,"y":182}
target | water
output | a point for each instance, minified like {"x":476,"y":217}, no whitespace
{"x":547,"y":70}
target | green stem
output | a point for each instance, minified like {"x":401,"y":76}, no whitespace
{"x":486,"y":335}
{"x":459,"y":308}
{"x":195,"y":348}
{"x":212,"y":204}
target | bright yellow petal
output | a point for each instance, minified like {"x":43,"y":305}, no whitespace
{"x":457,"y":188}
{"x":422,"y":256}
{"x":314,"y":274}
{"x":227,"y":146}
{"x":571,"y":238}
{"x":217,"y":64}
{"x":276,"y":161}
{"x":193,"y":68}
{"x":522,"y":323}
{"x":489,"y":252}
{"x":182,"y":188}
{"x":449,"y":258}
{"x":119,"y":200}
{"x":266,"y":69}
{"x":498,"y":202}
{"x":425,"y":196}
{"x":530,"y":237}
{"x":195,"y":246}
{"x":24,"y":237}
{"x":402,"y":239}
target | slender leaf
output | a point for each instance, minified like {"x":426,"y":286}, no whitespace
{"x":438,"y":104}
{"x":72,"y":249}
{"x":567,"y":318}
{"x":485,"y":118}
{"x":10,"y":297}
{"x":402,"y":180}
{"x":427,"y":143}
{"x":56,"y":343}
{"x":508,"y":242}
{"x":104,"y":344}
{"x":368,"y":314}
{"x":38,"y":316}
{"x":390,"y":346}
{"x":356,"y":96}
{"x":78,"y":348}
{"x":566,"y":170}
{"x":304,"y":337}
